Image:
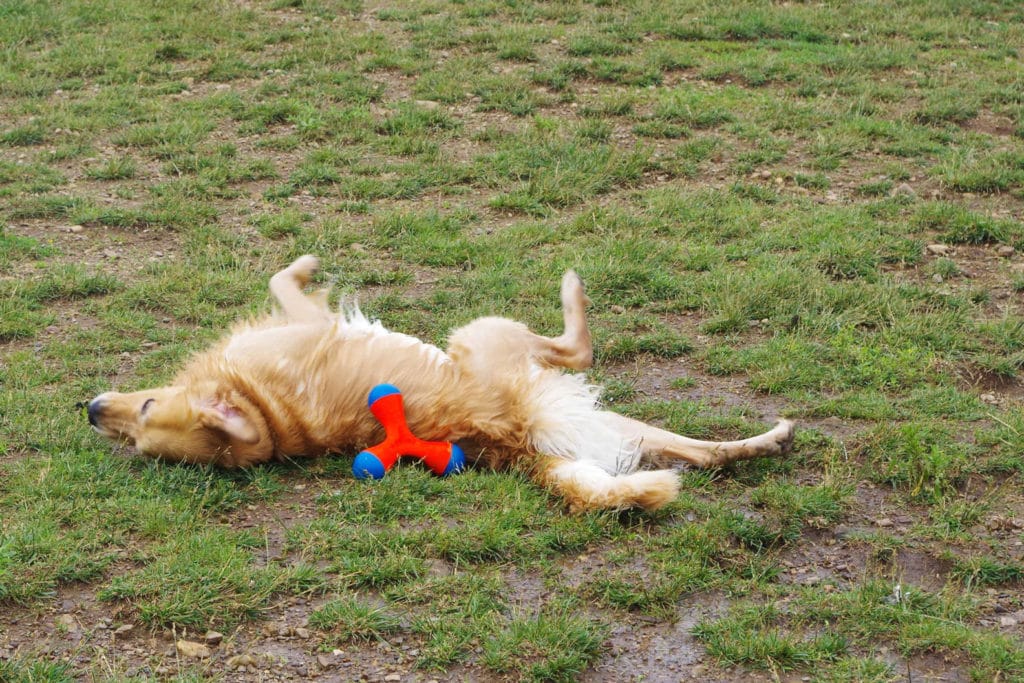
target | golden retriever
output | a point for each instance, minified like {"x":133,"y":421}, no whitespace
{"x":295,"y":383}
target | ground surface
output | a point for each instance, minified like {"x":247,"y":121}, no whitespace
{"x":780,"y":209}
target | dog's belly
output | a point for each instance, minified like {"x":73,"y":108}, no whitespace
{"x":315,"y":380}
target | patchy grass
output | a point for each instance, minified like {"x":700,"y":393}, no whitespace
{"x":804,"y":209}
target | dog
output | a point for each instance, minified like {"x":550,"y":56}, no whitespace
{"x":295,"y":383}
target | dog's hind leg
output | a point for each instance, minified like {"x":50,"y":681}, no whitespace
{"x":655,"y":441}
{"x":587,"y":486}
{"x":286,"y":288}
{"x":489,"y":343}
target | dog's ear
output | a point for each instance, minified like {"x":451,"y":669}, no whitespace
{"x":228,"y":419}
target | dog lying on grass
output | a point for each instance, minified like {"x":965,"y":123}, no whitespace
{"x":294,"y":383}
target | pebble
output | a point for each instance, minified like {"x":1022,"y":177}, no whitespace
{"x":392,"y":677}
{"x":938,"y":249}
{"x":884,"y":521}
{"x":188,"y":648}
{"x":76,"y":228}
{"x":1006,"y":251}
{"x":989,"y":399}
{"x":324,"y":661}
{"x":239,"y":661}
{"x":1007,"y":621}
{"x":123,"y":631}
{"x":213,"y":638}
{"x":67,"y":621}
{"x":904,"y":190}
{"x":302,"y":632}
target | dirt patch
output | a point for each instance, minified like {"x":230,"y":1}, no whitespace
{"x":668,"y":652}
{"x":990,"y":123}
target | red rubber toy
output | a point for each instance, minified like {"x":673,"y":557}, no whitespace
{"x":443,"y":458}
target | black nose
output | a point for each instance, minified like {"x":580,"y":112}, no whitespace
{"x":94,"y":411}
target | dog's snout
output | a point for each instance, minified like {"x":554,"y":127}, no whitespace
{"x":94,"y":410}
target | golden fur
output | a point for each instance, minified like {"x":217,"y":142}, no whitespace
{"x":295,"y":384}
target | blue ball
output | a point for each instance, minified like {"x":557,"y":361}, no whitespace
{"x":380,"y":391}
{"x":456,"y":463}
{"x":367,"y":466}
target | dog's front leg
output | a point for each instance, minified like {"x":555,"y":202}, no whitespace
{"x":286,"y":288}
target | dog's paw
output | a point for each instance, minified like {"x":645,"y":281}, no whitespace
{"x":784,"y":432}
{"x":573,"y":293}
{"x":304,"y":267}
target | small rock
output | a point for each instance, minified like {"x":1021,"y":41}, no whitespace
{"x":884,"y":521}
{"x":302,"y":632}
{"x":615,"y":308}
{"x":938,"y":249}
{"x":989,"y":399}
{"x":213,"y":638}
{"x":1007,"y":621}
{"x":123,"y":631}
{"x":937,"y":277}
{"x":67,"y":621}
{"x":766,"y":174}
{"x":238,"y":661}
{"x":427,"y":104}
{"x":188,"y":648}
{"x":76,"y":228}
{"x":110,"y":253}
{"x":904,"y":190}
{"x":324,"y":661}
{"x":392,"y":677}
{"x":1006,"y":251}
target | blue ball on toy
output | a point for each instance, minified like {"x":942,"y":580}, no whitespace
{"x":457,"y":463}
{"x":368,"y":466}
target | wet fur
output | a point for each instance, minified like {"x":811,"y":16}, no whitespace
{"x":295,"y":383}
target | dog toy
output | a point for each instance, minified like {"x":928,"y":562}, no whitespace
{"x":443,"y":458}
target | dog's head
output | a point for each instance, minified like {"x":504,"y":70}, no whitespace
{"x":202,"y":424}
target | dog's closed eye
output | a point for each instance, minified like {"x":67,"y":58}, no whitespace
{"x":146,"y":405}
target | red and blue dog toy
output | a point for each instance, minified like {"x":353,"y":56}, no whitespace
{"x":443,"y":458}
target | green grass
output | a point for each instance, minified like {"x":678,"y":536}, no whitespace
{"x":731,"y":182}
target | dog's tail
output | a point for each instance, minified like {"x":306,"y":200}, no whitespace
{"x":586,"y":486}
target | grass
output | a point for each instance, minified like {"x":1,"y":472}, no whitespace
{"x":752,"y":194}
